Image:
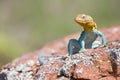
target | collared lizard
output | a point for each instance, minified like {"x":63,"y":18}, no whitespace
{"x":88,"y":36}
{"x":86,"y":40}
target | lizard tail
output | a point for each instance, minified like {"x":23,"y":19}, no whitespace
{"x":41,"y":59}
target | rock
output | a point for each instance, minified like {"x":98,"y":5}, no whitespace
{"x":62,"y":78}
{"x":94,"y":66}
{"x":86,"y":72}
{"x":50,"y":71}
{"x":114,"y":51}
{"x":102,"y":63}
{"x":3,"y":76}
{"x":30,"y":63}
{"x":108,"y":78}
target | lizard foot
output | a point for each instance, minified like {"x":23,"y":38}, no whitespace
{"x":82,"y":51}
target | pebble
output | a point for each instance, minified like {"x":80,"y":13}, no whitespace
{"x":30,"y":63}
{"x":20,"y":67}
{"x":26,"y":69}
{"x":79,"y":70}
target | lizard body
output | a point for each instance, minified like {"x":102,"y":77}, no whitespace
{"x":88,"y":36}
{"x":86,"y":40}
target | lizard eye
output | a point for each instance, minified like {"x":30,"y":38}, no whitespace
{"x":83,"y":16}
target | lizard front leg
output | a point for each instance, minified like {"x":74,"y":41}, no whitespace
{"x":102,"y":37}
{"x":82,"y":41}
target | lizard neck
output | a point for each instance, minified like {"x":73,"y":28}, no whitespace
{"x":90,"y":27}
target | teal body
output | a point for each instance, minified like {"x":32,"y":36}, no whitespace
{"x":87,"y":40}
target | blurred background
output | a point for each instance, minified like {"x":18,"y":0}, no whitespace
{"x":27,"y":25}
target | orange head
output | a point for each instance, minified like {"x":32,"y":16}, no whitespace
{"x":86,"y":22}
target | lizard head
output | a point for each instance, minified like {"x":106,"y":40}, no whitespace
{"x":86,"y":22}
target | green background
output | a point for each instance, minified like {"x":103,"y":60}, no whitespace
{"x":27,"y":25}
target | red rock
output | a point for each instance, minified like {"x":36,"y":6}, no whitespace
{"x":108,"y":78}
{"x":114,"y":49}
{"x":49,"y":71}
{"x":118,"y":78}
{"x":102,"y":62}
{"x":98,"y":66}
{"x":86,"y":72}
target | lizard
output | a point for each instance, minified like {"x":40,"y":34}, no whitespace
{"x":88,"y":36}
{"x":86,"y":40}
